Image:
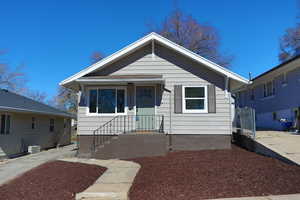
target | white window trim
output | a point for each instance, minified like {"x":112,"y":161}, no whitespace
{"x":265,"y":87}
{"x":106,"y":114}
{"x":284,"y":81}
{"x":10,"y":123}
{"x":205,"y":110}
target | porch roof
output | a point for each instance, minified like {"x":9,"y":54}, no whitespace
{"x":115,"y":79}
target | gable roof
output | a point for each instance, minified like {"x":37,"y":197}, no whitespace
{"x":277,"y":67}
{"x":146,"y":40}
{"x":10,"y":101}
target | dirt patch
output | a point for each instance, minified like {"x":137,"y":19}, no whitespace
{"x":52,"y":181}
{"x":213,"y":174}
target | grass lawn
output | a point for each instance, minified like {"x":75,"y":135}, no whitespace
{"x":213,"y":174}
{"x":55,"y":180}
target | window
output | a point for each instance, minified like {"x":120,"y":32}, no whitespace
{"x":252,"y":95}
{"x":284,"y":79}
{"x":269,"y":89}
{"x":33,"y":123}
{"x":51,"y":128}
{"x":194,"y":99}
{"x":107,"y":101}
{"x":5,"y":124}
{"x":274,"y":116}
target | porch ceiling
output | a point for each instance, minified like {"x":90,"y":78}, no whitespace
{"x":115,"y":79}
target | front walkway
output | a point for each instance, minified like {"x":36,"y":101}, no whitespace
{"x":114,"y":184}
{"x":12,"y":168}
{"x":282,"y":143}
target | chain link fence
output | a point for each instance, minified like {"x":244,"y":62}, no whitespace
{"x":244,"y":122}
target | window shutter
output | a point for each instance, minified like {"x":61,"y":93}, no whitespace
{"x":211,"y":98}
{"x":178,"y":98}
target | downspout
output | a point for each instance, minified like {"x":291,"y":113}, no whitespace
{"x":228,"y":95}
{"x":170,"y":109}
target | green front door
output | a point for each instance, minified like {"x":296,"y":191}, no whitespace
{"x":145,"y":108}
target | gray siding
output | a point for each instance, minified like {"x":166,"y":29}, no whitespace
{"x":283,"y":103}
{"x":285,"y":96}
{"x":176,"y":70}
{"x":21,"y":135}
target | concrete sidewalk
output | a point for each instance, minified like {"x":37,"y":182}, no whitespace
{"x":12,"y":168}
{"x":114,"y":184}
{"x":282,"y":143}
{"x":276,"y":197}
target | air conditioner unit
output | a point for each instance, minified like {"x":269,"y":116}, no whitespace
{"x":34,"y":149}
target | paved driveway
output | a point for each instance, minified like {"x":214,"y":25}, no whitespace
{"x":283,"y":143}
{"x":15,"y":167}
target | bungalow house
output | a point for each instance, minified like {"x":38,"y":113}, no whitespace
{"x":25,"y":122}
{"x":275,"y":95}
{"x":152,"y":96}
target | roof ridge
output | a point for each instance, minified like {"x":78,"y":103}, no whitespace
{"x":37,"y":102}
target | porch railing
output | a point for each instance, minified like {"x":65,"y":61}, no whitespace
{"x":122,"y":124}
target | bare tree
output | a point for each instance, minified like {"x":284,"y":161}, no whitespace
{"x":37,"y":95}
{"x":66,"y":99}
{"x":289,"y":43}
{"x":12,"y":79}
{"x":189,"y":33}
{"x":96,"y":56}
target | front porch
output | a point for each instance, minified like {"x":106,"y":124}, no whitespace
{"x":129,"y":136}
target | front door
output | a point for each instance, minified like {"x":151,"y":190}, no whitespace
{"x":145,"y":108}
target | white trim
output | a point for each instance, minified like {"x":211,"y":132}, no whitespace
{"x":106,"y":114}
{"x":121,"y":80}
{"x":205,"y":110}
{"x":142,"y":42}
{"x":265,"y":89}
{"x":226,"y":86}
{"x":153,"y":50}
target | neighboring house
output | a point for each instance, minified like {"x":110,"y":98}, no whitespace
{"x":155,"y":86}
{"x":274,"y":95}
{"x":25,"y":122}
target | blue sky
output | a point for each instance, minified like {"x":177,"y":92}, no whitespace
{"x":54,"y":39}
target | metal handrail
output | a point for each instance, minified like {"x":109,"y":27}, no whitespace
{"x":122,"y":124}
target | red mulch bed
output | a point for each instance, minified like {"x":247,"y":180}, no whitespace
{"x":54,"y":180}
{"x":213,"y":174}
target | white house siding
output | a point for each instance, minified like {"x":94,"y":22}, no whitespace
{"x":21,"y":135}
{"x":176,"y":70}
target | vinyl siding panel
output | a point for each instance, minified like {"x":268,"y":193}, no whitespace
{"x":21,"y":135}
{"x":286,"y":98}
{"x":176,"y":70}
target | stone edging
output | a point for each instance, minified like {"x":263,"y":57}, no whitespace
{"x":114,"y":184}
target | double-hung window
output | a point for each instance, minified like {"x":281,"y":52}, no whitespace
{"x":194,"y":99}
{"x":51,"y":127}
{"x":107,"y":101}
{"x":5,"y":124}
{"x":269,"y":89}
{"x":33,"y":123}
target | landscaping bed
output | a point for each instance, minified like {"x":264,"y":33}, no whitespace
{"x":52,"y":181}
{"x":213,"y":174}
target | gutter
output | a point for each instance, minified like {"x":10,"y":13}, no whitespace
{"x":21,"y":110}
